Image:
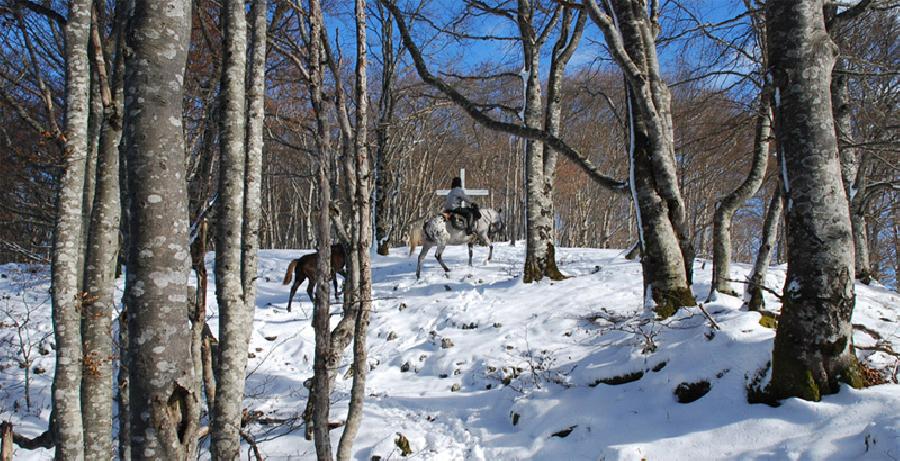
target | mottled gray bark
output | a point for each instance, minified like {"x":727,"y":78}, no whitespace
{"x":361,"y":245}
{"x":321,"y":316}
{"x":233,"y":313}
{"x":95,"y":124}
{"x":813,"y":345}
{"x":563,"y":49}
{"x":540,"y":260}
{"x":122,"y":396}
{"x":67,"y":243}
{"x":256,"y":95}
{"x":100,"y":261}
{"x":164,"y":402}
{"x":753,"y":294}
{"x":731,"y":202}
{"x":386,"y":100}
{"x":630,"y":33}
{"x":853,"y":168}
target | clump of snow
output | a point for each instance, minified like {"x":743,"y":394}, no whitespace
{"x":549,"y":370}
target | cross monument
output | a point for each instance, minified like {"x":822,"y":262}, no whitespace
{"x":462,"y":176}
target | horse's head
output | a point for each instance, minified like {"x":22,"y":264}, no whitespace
{"x":498,"y":224}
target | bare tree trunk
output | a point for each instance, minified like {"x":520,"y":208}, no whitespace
{"x":200,"y":334}
{"x":67,"y":247}
{"x":753,"y":294}
{"x":659,"y":207}
{"x":164,"y":404}
{"x":563,"y":49}
{"x":363,"y":237}
{"x":813,"y":345}
{"x":100,"y":261}
{"x":385,"y":123}
{"x":123,"y":388}
{"x":95,"y":124}
{"x":321,"y":315}
{"x":234,"y":316}
{"x":731,"y":202}
{"x":540,"y":259}
{"x":256,"y":114}
{"x":853,"y":168}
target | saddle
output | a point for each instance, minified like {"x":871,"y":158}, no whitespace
{"x":457,"y":220}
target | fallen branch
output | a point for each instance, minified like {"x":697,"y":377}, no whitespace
{"x":874,"y":334}
{"x":253,"y":446}
{"x":879,"y":348}
{"x":711,"y":321}
{"x":760,"y":286}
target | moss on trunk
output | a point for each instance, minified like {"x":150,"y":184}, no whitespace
{"x":669,"y":301}
{"x":538,"y":268}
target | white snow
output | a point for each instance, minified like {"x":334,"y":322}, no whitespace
{"x":530,"y":354}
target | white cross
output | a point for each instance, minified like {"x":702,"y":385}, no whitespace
{"x":462,"y":176}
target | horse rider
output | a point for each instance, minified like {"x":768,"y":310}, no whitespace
{"x":457,"y":202}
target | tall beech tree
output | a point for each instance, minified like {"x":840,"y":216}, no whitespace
{"x":164,"y":403}
{"x":103,"y":243}
{"x":360,"y":245}
{"x":320,"y":390}
{"x":67,"y":301}
{"x":813,"y":346}
{"x":728,"y":205}
{"x":240,"y":146}
{"x":630,"y":28}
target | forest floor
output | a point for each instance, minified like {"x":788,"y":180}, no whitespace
{"x":476,"y":365}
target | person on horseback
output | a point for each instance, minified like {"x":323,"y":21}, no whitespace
{"x":458,"y":203}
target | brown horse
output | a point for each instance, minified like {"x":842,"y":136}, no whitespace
{"x":305,"y":268}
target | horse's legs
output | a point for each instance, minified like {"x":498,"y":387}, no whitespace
{"x":297,"y":281}
{"x":425,"y":247}
{"x":483,"y":236}
{"x":438,"y":255}
{"x":334,"y":279}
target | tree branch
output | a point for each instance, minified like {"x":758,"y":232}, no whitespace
{"x":470,"y":108}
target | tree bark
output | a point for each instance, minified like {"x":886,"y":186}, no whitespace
{"x":100,"y":261}
{"x":813,"y":346}
{"x":234,"y":316}
{"x":362,"y":245}
{"x":67,"y":247}
{"x":753,"y":294}
{"x":123,"y":389}
{"x":386,"y":101}
{"x":853,"y":168}
{"x":659,"y":207}
{"x":563,"y":49}
{"x":321,"y":313}
{"x":164,"y":403}
{"x":731,"y":202}
{"x":540,"y":260}
{"x":6,"y":446}
{"x":95,"y":124}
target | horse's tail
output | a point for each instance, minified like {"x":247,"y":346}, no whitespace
{"x":290,"y":272}
{"x":412,"y":239}
{"x":415,"y":235}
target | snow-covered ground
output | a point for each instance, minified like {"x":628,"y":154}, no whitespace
{"x":479,"y":366}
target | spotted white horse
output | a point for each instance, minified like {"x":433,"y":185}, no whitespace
{"x":439,"y":232}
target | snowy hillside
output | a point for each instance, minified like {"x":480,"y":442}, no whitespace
{"x":479,"y":366}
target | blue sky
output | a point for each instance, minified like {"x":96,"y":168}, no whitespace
{"x":506,"y":55}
